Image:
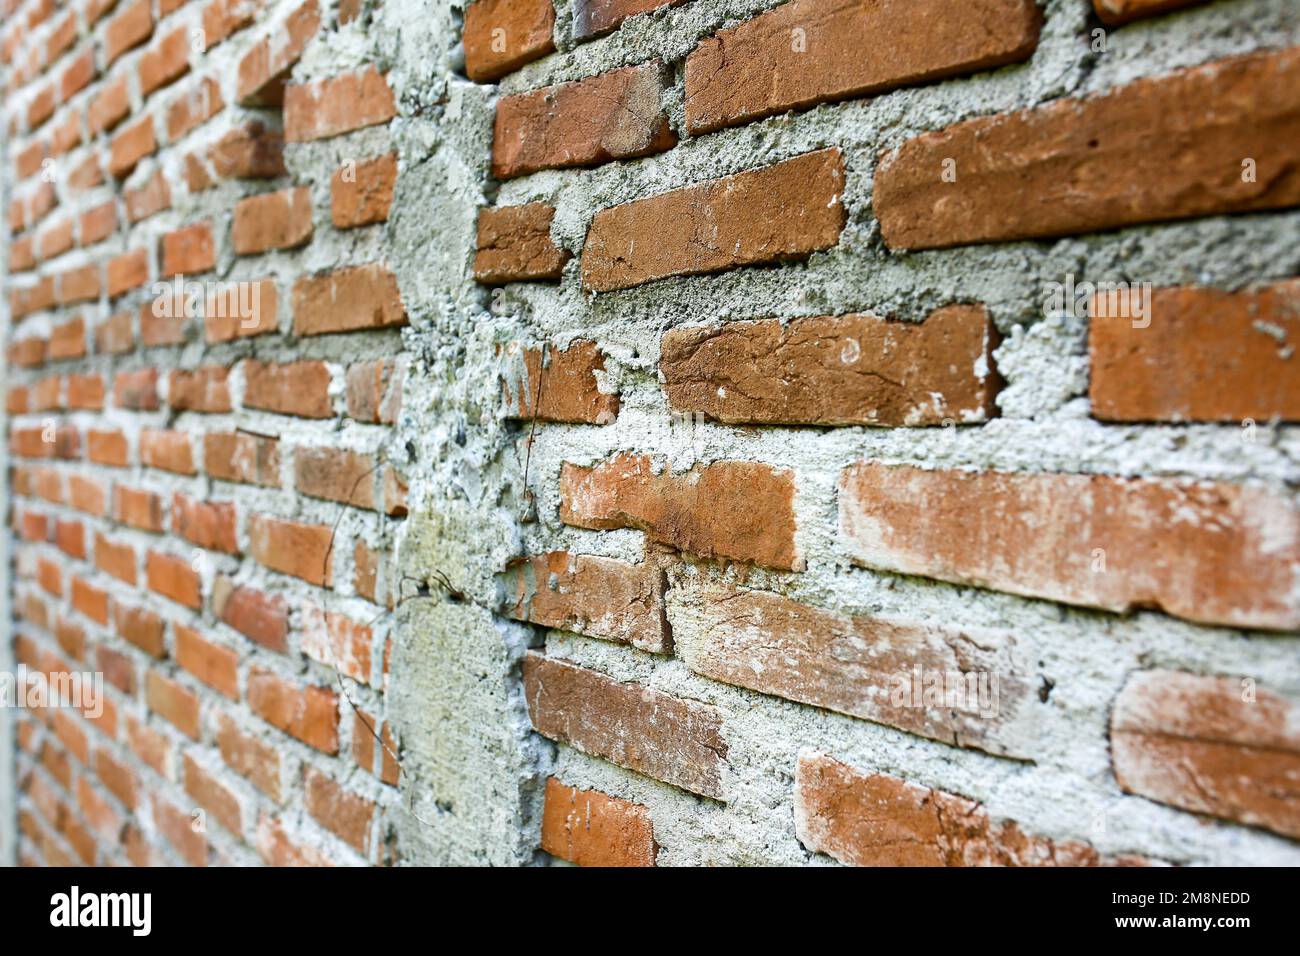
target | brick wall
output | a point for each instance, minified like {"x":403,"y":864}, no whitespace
{"x":677,"y":434}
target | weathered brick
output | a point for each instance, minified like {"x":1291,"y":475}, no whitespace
{"x":210,"y":793}
{"x":307,"y":713}
{"x":775,"y":214}
{"x":137,"y":390}
{"x":199,"y":390}
{"x":615,"y":115}
{"x":878,"y":820}
{"x":1196,"y":355}
{"x":1157,"y":149}
{"x":592,"y":18}
{"x":177,"y":828}
{"x":240,"y":310}
{"x":262,"y":618}
{"x":293,"y":548}
{"x":208,"y":524}
{"x":278,"y":220}
{"x":565,"y":389}
{"x":355,"y":299}
{"x":736,"y":510}
{"x":844,"y":370}
{"x":178,"y":705}
{"x":264,"y":69}
{"x":166,"y":62}
{"x":1203,"y":744}
{"x":214,"y":665}
{"x":365,"y":748}
{"x":500,"y":36}
{"x":115,"y":559}
{"x":345,"y":814}
{"x":815,"y":51}
{"x":131,"y":27}
{"x":138,"y":508}
{"x":141,"y":627}
{"x":245,"y":458}
{"x":590,"y":828}
{"x":595,"y":596}
{"x":1117,"y":12}
{"x":168,"y":450}
{"x":110,"y":105}
{"x":249,"y":756}
{"x":340,"y":104}
{"x":374,"y":391}
{"x":132,"y":144}
{"x":249,"y":151}
{"x":188,"y":251}
{"x":336,"y":474}
{"x":962,"y":686}
{"x":673,"y":740}
{"x":362,"y":193}
{"x":174,"y":578}
{"x":514,"y":245}
{"x":1113,"y":543}
{"x":299,"y":388}
{"x":194,"y":107}
{"x":278,"y":847}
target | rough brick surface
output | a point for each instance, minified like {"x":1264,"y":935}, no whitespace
{"x":514,"y":244}
{"x":782,"y":212}
{"x":846,"y":370}
{"x":677,"y":741}
{"x":732,"y":510}
{"x":1170,"y":147}
{"x":1203,"y":356}
{"x":615,"y":115}
{"x":503,"y":35}
{"x":1217,"y":553}
{"x":1214,"y":745}
{"x":590,"y":828}
{"x":560,"y":385}
{"x":813,"y":51}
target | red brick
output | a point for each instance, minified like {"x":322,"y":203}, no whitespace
{"x":131,"y":27}
{"x":97,"y":223}
{"x":845,"y":370}
{"x":736,"y":510}
{"x":308,"y":713}
{"x":337,"y":105}
{"x":208,"y":792}
{"x":140,"y":627}
{"x":336,"y":474}
{"x":166,"y":62}
{"x":249,"y":756}
{"x":365,"y":747}
{"x":188,"y":251}
{"x":615,"y":115}
{"x":90,"y":601}
{"x":118,"y":668}
{"x":279,"y":220}
{"x":514,"y":245}
{"x":775,"y":214}
{"x":107,"y":448}
{"x":763,"y":66}
{"x":1201,"y":744}
{"x":208,"y":524}
{"x":367,"y":566}
{"x":565,"y":390}
{"x":1196,"y":355}
{"x":222,"y":18}
{"x":174,"y":578}
{"x":877,"y":820}
{"x":348,"y":300}
{"x":67,"y":341}
{"x":138,"y":508}
{"x":177,"y":828}
{"x":299,"y":388}
{"x":250,"y":151}
{"x":200,"y":390}
{"x":500,"y":36}
{"x":264,"y":69}
{"x":131,"y":145}
{"x":194,"y":107}
{"x":56,"y":239}
{"x":70,"y":538}
{"x":262,"y":618}
{"x":111,"y":105}
{"x":128,"y":271}
{"x":137,"y":390}
{"x":595,"y":596}
{"x":214,"y":665}
{"x":673,"y":740}
{"x":115,"y":559}
{"x":292,"y":548}
{"x":1116,"y":12}
{"x":879,"y":669}
{"x":347,"y":815}
{"x":117,"y":778}
{"x":250,"y":459}
{"x":1157,"y":149}
{"x":115,"y":334}
{"x":241,"y":309}
{"x":1211,"y":552}
{"x":153,"y":197}
{"x":151,"y":747}
{"x":168,"y":450}
{"x":173,"y":702}
{"x":79,"y":285}
{"x":362,"y":193}
{"x":278,"y":848}
{"x":337,"y":641}
{"x":374,"y":391}
{"x":77,"y":75}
